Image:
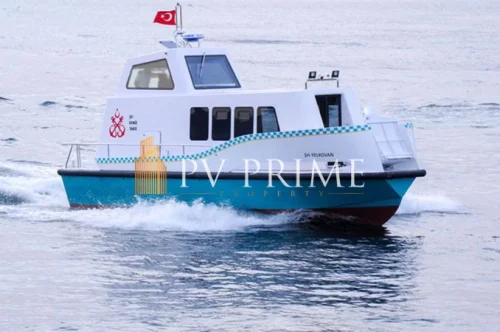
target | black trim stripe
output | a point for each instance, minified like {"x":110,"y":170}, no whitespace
{"x":239,"y":176}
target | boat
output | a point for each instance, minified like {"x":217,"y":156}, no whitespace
{"x":183,"y":126}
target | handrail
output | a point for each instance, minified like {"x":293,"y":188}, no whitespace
{"x":69,"y":155}
{"x":78,"y":146}
{"x":121,"y":144}
{"x":390,"y":153}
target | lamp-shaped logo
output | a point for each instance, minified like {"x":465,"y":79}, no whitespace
{"x":150,"y":171}
{"x":117,"y":128}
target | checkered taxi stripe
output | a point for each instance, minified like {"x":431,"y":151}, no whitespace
{"x":243,"y":139}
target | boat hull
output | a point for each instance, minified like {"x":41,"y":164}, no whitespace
{"x":374,"y":204}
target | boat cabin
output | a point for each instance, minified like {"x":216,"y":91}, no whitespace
{"x":192,"y":99}
{"x":211,"y":103}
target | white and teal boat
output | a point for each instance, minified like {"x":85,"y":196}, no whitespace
{"x":204,"y":136}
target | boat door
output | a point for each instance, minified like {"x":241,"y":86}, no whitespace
{"x":329,"y":108}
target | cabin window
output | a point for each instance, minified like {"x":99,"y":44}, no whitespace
{"x":211,"y":72}
{"x":153,"y":75}
{"x":221,"y":123}
{"x":266,"y":120}
{"x":330,"y":110}
{"x":198,"y":128}
{"x":243,"y":121}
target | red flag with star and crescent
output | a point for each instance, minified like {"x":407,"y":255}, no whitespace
{"x":165,"y":17}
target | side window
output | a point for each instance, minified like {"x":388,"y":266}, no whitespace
{"x":198,"y":128}
{"x":221,"y":123}
{"x":153,"y":75}
{"x":243,"y":121}
{"x":266,"y":120}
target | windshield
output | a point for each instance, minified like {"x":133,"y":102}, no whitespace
{"x":211,"y":72}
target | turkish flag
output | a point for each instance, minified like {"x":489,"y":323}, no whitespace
{"x":166,"y":18}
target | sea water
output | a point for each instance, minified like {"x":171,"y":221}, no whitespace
{"x":176,"y":267}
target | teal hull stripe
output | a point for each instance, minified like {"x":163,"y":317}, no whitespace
{"x":243,"y":139}
{"x":106,"y":191}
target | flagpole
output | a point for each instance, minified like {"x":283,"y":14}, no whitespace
{"x":178,"y":23}
{"x":182,"y":23}
{"x":178,"y":19}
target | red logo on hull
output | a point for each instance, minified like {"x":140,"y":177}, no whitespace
{"x":117,"y":128}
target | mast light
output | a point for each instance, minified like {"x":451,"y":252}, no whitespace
{"x":313,"y":77}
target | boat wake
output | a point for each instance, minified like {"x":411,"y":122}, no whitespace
{"x":24,"y":183}
{"x":177,"y":216}
{"x":34,"y":192}
{"x":414,"y":204}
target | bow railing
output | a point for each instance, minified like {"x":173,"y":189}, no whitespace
{"x":392,"y":140}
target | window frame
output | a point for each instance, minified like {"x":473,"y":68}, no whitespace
{"x":236,"y":109}
{"x":191,"y":122}
{"x":259,"y":109}
{"x":152,"y":89}
{"x":324,"y":111}
{"x":230,"y":115}
{"x":238,"y":86}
